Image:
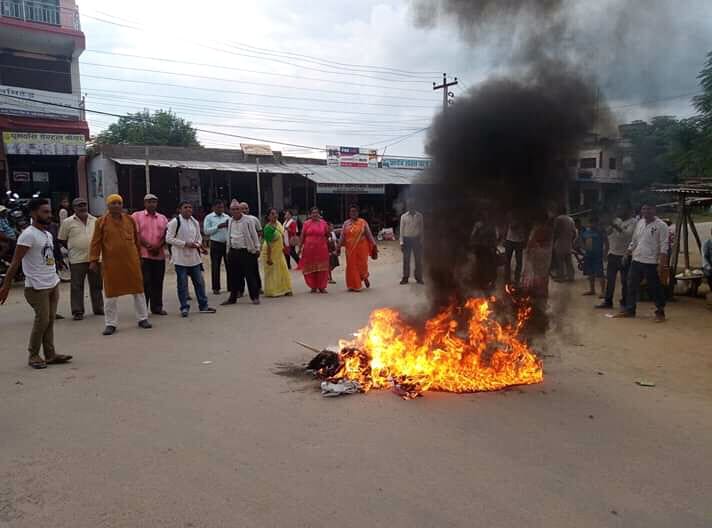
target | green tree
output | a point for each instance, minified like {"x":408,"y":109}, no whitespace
{"x":163,"y":127}
{"x":650,"y":150}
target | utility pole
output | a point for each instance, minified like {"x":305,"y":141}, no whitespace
{"x":444,"y":87}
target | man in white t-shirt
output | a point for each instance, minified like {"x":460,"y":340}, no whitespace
{"x":620,"y":233}
{"x":35,"y":251}
{"x":649,"y":259}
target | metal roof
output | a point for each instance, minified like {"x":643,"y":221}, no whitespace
{"x":207,"y":165}
{"x":315,"y":173}
{"x":356,"y":175}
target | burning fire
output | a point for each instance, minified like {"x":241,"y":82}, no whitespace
{"x":461,"y":349}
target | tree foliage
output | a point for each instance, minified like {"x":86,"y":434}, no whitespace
{"x":163,"y":127}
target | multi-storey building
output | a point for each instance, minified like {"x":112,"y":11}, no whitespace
{"x":43,"y":130}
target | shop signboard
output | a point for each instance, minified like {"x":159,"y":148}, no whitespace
{"x":256,"y":149}
{"x":407,"y":163}
{"x":351,"y":157}
{"x":39,"y":144}
{"x":349,"y":188}
{"x":40,"y":177}
{"x":20,"y":176}
{"x":29,"y":102}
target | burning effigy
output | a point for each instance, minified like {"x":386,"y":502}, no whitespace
{"x":461,"y":349}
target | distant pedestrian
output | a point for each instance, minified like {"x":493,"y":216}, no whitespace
{"x":483,"y":240}
{"x":595,"y":245}
{"x":258,"y":227}
{"x":8,"y":236}
{"x":514,"y":242}
{"x":537,"y":257}
{"x":564,"y":237}
{"x":151,"y":227}
{"x":620,"y":235}
{"x":76,"y":233}
{"x":64,"y":211}
{"x":215,"y":227}
{"x":649,"y":253}
{"x":183,"y":235}
{"x":116,"y":245}
{"x":291,"y":238}
{"x":707,"y":260}
{"x":411,"y":242}
{"x":357,"y":239}
{"x":314,"y":258}
{"x":333,"y":253}
{"x":242,"y":253}
{"x":278,"y":282}
{"x":35,"y":252}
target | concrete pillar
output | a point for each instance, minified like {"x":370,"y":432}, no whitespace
{"x":600,"y":193}
{"x":82,"y":183}
{"x":582,"y":198}
{"x":278,"y":191}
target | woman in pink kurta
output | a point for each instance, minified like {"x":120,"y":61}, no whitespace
{"x":314,"y":259}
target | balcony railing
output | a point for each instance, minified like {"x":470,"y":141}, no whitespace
{"x":41,"y":13}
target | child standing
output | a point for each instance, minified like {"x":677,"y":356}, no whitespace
{"x":595,"y":246}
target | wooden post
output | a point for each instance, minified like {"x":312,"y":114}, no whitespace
{"x":678,"y":231}
{"x":693,"y":228}
{"x":685,"y":235}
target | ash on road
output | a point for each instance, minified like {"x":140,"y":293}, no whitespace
{"x":139,"y":432}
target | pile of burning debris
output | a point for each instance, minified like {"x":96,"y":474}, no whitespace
{"x":461,"y":349}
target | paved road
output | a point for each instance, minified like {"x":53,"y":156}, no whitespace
{"x":139,"y":433}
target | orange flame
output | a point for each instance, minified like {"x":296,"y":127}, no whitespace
{"x":445,"y":356}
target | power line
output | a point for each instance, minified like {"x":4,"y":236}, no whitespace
{"x":262,"y":58}
{"x":245,"y":70}
{"x":291,"y":54}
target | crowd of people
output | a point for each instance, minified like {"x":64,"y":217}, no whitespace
{"x":121,"y":254}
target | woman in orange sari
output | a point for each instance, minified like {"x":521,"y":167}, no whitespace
{"x":358,"y":240}
{"x":314,"y":260}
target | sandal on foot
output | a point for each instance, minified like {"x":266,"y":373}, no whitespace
{"x":37,"y":363}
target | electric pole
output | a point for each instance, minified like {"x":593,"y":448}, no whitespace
{"x":444,"y":87}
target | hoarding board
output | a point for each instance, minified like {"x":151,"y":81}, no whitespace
{"x":28,"y":102}
{"x":349,"y":188}
{"x":39,"y":144}
{"x":351,"y":157}
{"x":406,"y":163}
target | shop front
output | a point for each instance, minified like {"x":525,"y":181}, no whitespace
{"x":47,"y":163}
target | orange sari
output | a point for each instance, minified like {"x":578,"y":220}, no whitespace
{"x":359,"y":242}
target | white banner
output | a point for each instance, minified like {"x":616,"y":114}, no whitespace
{"x":28,"y":102}
{"x":38,"y":144}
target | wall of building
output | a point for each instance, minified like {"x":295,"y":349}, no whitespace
{"x":103,"y":181}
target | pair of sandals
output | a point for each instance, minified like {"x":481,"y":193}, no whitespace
{"x":57,"y":359}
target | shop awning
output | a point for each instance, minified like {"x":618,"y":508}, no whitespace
{"x":322,"y":174}
{"x":206,"y":165}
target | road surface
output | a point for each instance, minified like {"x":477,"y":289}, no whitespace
{"x":138,"y":432}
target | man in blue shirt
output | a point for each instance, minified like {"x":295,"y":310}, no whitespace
{"x":215,"y":227}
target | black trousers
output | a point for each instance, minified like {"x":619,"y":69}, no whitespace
{"x":486,"y":268}
{"x":616,"y":264}
{"x":415,"y":246}
{"x":243,"y":267}
{"x":80,"y":273}
{"x":291,"y":255}
{"x":638,"y":270}
{"x":218,"y":255}
{"x":153,"y":273}
{"x":516,"y":249}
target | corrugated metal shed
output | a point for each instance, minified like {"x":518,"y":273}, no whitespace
{"x":315,"y":173}
{"x":356,"y":176}
{"x":207,"y":165}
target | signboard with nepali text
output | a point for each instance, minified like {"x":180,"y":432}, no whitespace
{"x":349,"y":188}
{"x":351,"y":157}
{"x":29,"y":102}
{"x":39,"y":144}
{"x":406,"y":163}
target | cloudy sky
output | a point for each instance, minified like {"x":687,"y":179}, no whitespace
{"x":327,"y":72}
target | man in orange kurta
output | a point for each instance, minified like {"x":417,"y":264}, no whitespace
{"x":116,"y":242}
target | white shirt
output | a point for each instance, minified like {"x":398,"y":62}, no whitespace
{"x":650,"y":241}
{"x":38,"y":264}
{"x":619,"y":239}
{"x":411,"y":225}
{"x":189,"y":231}
{"x":78,"y":236}
{"x":256,"y":221}
{"x":242,"y":234}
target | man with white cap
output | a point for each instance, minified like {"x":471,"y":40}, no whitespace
{"x":151,"y":227}
{"x":75,"y":233}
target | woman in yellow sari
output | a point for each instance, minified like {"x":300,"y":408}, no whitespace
{"x":358,"y":240}
{"x":277,"y":279}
